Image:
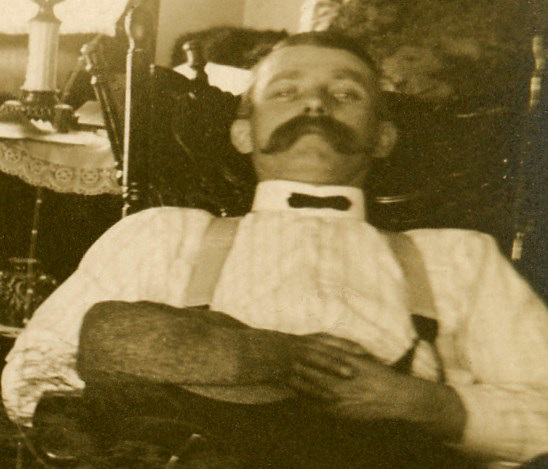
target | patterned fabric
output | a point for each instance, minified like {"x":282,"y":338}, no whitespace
{"x":493,"y":330}
{"x":77,"y":169}
{"x":439,"y":50}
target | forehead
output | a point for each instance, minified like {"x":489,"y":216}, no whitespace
{"x":308,"y":61}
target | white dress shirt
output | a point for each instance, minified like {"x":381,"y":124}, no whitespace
{"x":304,"y":270}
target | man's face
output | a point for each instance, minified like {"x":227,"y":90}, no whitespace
{"x":313,"y":116}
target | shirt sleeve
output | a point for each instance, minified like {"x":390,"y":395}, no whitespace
{"x":123,"y":265}
{"x":504,"y":344}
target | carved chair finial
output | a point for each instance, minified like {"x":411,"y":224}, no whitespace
{"x":196,"y":60}
{"x":139,"y":27}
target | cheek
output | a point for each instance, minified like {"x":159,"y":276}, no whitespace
{"x":260,"y":128}
{"x":364,"y":124}
{"x":265,"y":121}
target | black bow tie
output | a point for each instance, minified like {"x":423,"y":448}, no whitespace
{"x":337,"y":202}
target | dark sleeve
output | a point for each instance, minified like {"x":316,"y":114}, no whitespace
{"x":164,"y":344}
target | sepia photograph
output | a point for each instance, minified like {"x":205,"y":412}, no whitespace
{"x":279,"y":234}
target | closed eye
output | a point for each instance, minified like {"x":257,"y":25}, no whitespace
{"x":347,"y":91}
{"x":347,"y":95}
{"x":284,"y":93}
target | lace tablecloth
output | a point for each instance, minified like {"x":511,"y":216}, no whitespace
{"x":86,"y":169}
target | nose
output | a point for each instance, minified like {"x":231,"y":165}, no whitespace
{"x":315,"y":105}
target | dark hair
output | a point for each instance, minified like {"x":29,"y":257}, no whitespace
{"x":330,"y":40}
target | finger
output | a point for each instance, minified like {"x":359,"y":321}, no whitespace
{"x":315,"y":377}
{"x":303,"y":386}
{"x":334,"y":365}
{"x":345,"y":345}
{"x":309,"y":390}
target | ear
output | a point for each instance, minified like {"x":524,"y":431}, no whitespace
{"x":388,"y":136}
{"x":240,"y":136}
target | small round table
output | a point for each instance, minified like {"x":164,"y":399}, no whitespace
{"x":63,"y":186}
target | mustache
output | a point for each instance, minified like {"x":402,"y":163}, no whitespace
{"x":341,"y":137}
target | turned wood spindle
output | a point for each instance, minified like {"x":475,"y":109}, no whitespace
{"x":139,"y":28}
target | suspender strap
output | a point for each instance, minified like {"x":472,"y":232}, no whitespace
{"x":420,"y":297}
{"x":216,"y":245}
{"x":421,"y":304}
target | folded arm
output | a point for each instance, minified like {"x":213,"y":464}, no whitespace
{"x":193,"y":346}
{"x":175,"y":345}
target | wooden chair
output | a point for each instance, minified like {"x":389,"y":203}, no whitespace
{"x":169,"y":134}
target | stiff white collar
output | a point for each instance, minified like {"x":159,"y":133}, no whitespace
{"x":273,"y":196}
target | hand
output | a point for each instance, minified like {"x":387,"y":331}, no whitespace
{"x":328,"y":354}
{"x":367,"y":390}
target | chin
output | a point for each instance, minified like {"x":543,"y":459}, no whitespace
{"x":327,"y":178}
{"x":315,"y":180}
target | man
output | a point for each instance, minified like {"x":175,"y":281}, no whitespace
{"x":307,"y":302}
